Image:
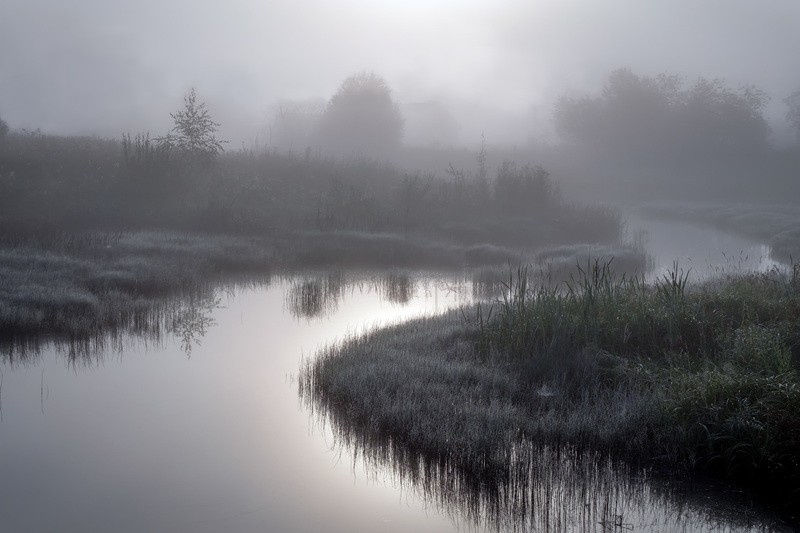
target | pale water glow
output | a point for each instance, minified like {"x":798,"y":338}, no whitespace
{"x":160,"y":438}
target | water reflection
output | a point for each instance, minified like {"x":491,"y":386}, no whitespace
{"x":247,"y":461}
{"x":397,"y":286}
{"x":707,"y":251}
{"x":547,"y":489}
{"x":316,"y":296}
{"x":192,"y":319}
{"x":186,"y":317}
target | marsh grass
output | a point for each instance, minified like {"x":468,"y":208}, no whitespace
{"x":682,"y":377}
{"x":51,"y":183}
{"x":67,"y":285}
{"x":74,"y":286}
{"x":78,"y":286}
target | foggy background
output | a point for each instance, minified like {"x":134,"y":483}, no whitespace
{"x":466,"y":67}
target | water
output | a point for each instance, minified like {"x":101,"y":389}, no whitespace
{"x":704,"y":251}
{"x":200,"y":428}
{"x":151,"y":438}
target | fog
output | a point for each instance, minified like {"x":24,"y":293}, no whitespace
{"x":606,"y":189}
{"x":103,"y":68}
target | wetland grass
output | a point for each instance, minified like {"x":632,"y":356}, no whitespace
{"x":82,"y":285}
{"x":678,"y":377}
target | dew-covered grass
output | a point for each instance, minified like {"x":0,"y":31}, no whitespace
{"x":680,"y":377}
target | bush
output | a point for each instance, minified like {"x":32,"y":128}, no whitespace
{"x":523,"y":189}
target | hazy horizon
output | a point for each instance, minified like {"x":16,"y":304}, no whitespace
{"x":92,"y":67}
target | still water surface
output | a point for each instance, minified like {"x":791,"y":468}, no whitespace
{"x":703,"y":251}
{"x":202,"y":430}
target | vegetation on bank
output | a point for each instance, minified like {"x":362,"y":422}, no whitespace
{"x":688,"y":378}
{"x":89,"y":285}
{"x":93,"y":231}
{"x":50,"y":183}
{"x":75,"y":286}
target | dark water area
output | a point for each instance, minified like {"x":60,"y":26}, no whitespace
{"x":193,"y":423}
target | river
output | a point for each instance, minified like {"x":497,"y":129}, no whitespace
{"x":199,"y":427}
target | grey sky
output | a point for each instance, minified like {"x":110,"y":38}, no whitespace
{"x":104,"y":67}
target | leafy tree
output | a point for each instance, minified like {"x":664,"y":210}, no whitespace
{"x":362,"y":116}
{"x":793,"y":114}
{"x":629,"y":107}
{"x":3,"y":128}
{"x":648,"y":115}
{"x":714,"y":116}
{"x":194,"y":132}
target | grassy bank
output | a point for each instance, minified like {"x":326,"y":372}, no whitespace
{"x":73,"y":286}
{"x":687,"y":378}
{"x":78,"y":286}
{"x":53,"y":183}
{"x":93,"y":232}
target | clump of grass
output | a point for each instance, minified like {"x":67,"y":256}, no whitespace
{"x":715,"y":363}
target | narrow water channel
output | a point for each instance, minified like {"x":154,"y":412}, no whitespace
{"x":201,"y":429}
{"x":703,"y":251}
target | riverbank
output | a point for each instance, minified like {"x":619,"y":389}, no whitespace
{"x":85,"y":285}
{"x":683,"y":378}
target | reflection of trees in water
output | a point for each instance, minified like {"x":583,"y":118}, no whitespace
{"x":192,"y":319}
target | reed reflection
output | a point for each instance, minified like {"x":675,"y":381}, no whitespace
{"x":398,"y":286}
{"x":186,"y":317}
{"x":543,"y":488}
{"x":316,"y":296}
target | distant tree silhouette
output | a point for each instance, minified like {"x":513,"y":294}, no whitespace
{"x":646,"y":115}
{"x":294,"y":122}
{"x":523,"y":189}
{"x":793,"y":114}
{"x":3,"y":128}
{"x":194,"y":132}
{"x":714,"y":116}
{"x":361,"y":116}
{"x":631,"y":109}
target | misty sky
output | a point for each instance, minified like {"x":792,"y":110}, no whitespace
{"x":104,"y":67}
